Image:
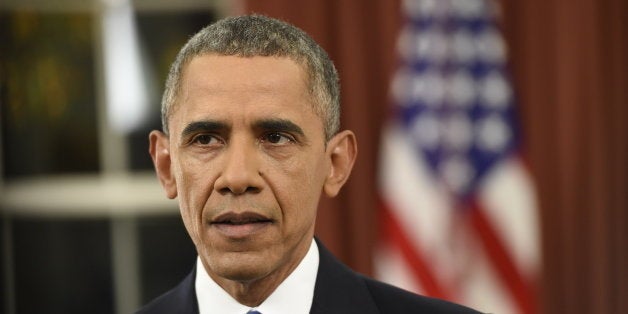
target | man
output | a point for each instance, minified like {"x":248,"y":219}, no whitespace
{"x":250,"y":141}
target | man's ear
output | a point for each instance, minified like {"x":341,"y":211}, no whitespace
{"x":342,"y":150}
{"x":160,"y":153}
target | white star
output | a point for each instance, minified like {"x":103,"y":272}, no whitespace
{"x":431,"y":45}
{"x":406,"y":42}
{"x":429,"y":88}
{"x":462,"y":46}
{"x":402,"y":86}
{"x":492,"y":134}
{"x":461,"y":89}
{"x":426,"y":131}
{"x":424,"y":8}
{"x":457,"y":173}
{"x":458,"y":132}
{"x":495,"y":91}
{"x":469,"y":9}
{"x":491,"y":47}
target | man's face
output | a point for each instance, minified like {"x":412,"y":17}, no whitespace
{"x":247,"y":161}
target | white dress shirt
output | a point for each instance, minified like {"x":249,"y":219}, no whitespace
{"x":293,"y":296}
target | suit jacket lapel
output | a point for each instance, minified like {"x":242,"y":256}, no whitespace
{"x":338,"y":289}
{"x":181,"y":299}
{"x":185,"y":295}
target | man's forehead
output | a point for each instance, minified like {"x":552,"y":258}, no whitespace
{"x":276,"y":84}
{"x":231,"y":63}
{"x":211,"y":74}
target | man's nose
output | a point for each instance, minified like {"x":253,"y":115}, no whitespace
{"x":241,"y":169}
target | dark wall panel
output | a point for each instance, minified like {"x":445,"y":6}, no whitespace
{"x":62,"y":266}
{"x":166,"y":254}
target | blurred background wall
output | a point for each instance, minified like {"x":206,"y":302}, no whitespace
{"x":85,"y":226}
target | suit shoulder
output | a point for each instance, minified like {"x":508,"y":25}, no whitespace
{"x":390,"y":299}
{"x":181,"y":299}
{"x":166,"y":303}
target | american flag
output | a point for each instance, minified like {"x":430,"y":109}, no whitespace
{"x":459,"y":218}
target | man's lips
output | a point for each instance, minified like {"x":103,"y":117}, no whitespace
{"x":240,"y":225}
{"x":232,"y":218}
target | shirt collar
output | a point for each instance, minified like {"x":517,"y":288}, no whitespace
{"x":293,"y":295}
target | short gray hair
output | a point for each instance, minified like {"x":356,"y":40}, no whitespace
{"x":257,"y":35}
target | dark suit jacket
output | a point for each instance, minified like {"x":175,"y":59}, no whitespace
{"x":338,"y":290}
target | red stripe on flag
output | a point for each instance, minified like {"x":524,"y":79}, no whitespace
{"x":394,"y":235}
{"x":521,"y":291}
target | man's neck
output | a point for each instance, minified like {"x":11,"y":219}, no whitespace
{"x":252,"y":293}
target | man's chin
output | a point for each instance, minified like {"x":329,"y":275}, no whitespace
{"x":240,"y":267}
{"x":242,"y":275}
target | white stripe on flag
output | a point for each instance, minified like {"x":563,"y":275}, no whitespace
{"x":509,"y":201}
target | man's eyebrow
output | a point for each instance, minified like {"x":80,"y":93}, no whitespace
{"x":278,"y":125}
{"x":204,"y":126}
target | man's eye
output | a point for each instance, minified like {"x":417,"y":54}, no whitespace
{"x":204,"y":139}
{"x":276,"y":138}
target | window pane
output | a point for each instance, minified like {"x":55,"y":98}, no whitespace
{"x":47,"y":98}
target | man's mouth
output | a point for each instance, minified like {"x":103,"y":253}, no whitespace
{"x":232,"y":218}
{"x":240,"y":225}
